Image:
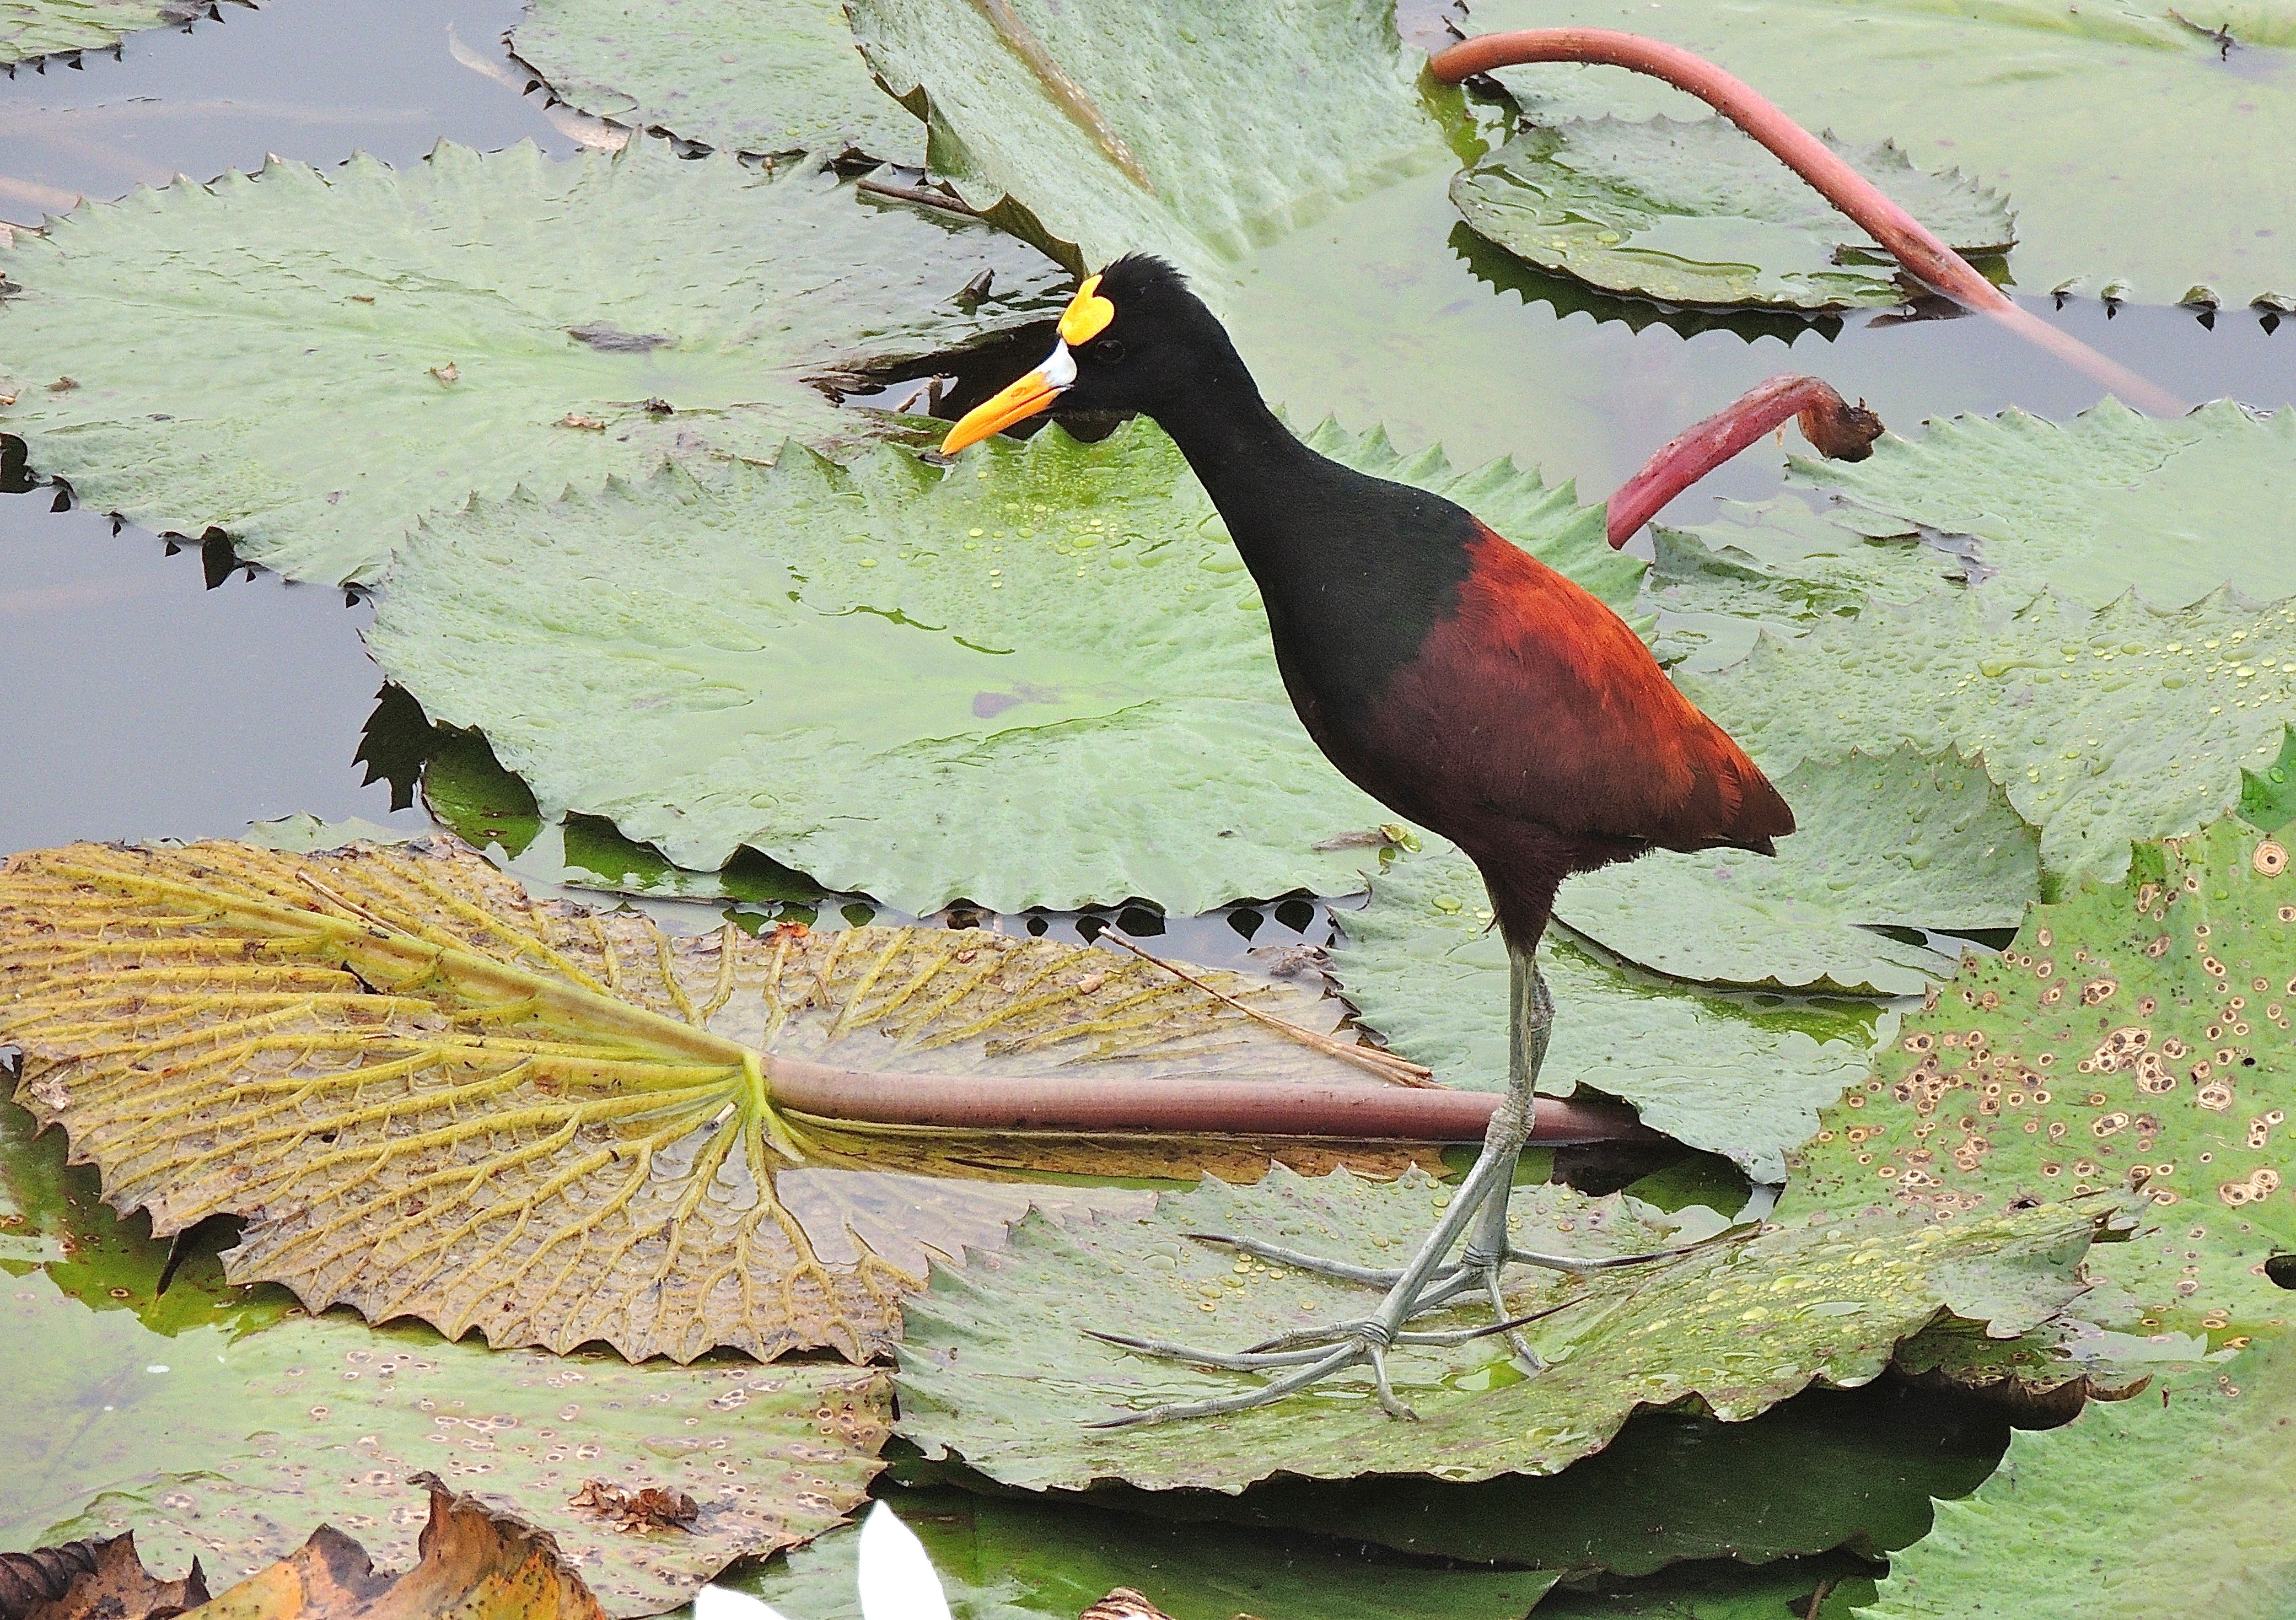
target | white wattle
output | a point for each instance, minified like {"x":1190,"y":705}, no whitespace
{"x":1058,"y":370}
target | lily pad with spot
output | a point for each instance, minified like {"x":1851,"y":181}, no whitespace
{"x":213,"y":1422}
{"x":331,"y":357}
{"x":1894,"y":840}
{"x":1186,"y":128}
{"x":31,"y":28}
{"x":2168,"y":1505}
{"x":1042,"y":678}
{"x":2134,"y":1034}
{"x":1731,"y":1072}
{"x":1695,"y":212}
{"x":2055,"y":106}
{"x":426,"y":1095}
{"x":780,"y":76}
{"x":1002,"y":1557}
{"x":995,"y":1370}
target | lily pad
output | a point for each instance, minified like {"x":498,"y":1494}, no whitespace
{"x":2103,"y":727}
{"x":1889,"y":841}
{"x":779,"y":77}
{"x":199,"y":1420}
{"x":428,"y":1096}
{"x":2133,"y":1035}
{"x":1828,"y":1469}
{"x":229,"y":1450}
{"x":1052,"y":682}
{"x":1183,"y":128}
{"x":49,"y":28}
{"x":2154,"y":1508}
{"x":1002,"y":1559}
{"x":1730,"y":1072}
{"x":2057,"y":106}
{"x":2108,"y":502}
{"x":331,"y":357}
{"x":1695,"y":212}
{"x":1779,"y":568}
{"x":995,"y":1368}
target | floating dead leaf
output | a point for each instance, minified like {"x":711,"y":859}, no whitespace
{"x":647,"y":1508}
{"x":476,"y":1565}
{"x":427,"y":1095}
{"x":93,"y":1579}
{"x":449,"y":373}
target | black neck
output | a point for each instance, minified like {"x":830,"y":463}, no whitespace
{"x":1257,"y":472}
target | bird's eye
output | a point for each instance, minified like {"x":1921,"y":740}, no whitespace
{"x":1108,"y":351}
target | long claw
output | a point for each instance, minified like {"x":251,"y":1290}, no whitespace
{"x":1300,"y":1260}
{"x":1611,"y":1263}
{"x":1243,"y":1361}
{"x":1266,"y":1395}
{"x":1387,"y":1403}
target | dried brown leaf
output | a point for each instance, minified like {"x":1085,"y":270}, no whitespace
{"x":426,"y":1094}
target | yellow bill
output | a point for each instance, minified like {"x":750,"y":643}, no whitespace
{"x":1086,"y":317}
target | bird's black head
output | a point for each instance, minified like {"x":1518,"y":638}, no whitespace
{"x":1133,"y":339}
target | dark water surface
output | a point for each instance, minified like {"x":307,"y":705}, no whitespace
{"x":136,"y":703}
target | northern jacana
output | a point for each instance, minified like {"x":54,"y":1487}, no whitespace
{"x":1453,"y":677}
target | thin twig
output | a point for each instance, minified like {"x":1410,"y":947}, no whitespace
{"x":1387,"y":1064}
{"x":912,"y":193}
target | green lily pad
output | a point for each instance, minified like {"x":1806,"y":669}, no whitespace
{"x":2103,"y":727}
{"x":1890,"y":841}
{"x":995,"y":1368}
{"x":48,"y":28}
{"x":1183,"y":128}
{"x":2108,"y":502}
{"x":1002,"y":1558}
{"x":1828,"y":1469}
{"x":2152,"y":1509}
{"x":1696,"y":212}
{"x":779,"y":77}
{"x":1053,"y":683}
{"x":2057,"y":106}
{"x":331,"y":357}
{"x":1731,"y":1072}
{"x":199,"y":1419}
{"x":2135,"y":1034}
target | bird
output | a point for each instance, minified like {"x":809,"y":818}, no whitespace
{"x":1451,"y":675}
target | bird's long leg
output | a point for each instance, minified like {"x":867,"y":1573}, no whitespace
{"x":1430,"y":1279}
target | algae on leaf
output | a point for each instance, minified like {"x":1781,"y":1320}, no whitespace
{"x":747,"y":76}
{"x":1729,"y":1072}
{"x":2103,"y":727}
{"x":994,"y":1367}
{"x":1695,"y":212}
{"x":1190,"y":128}
{"x":426,"y":1095}
{"x":2134,"y":151}
{"x":330,"y":356}
{"x":1041,"y":678}
{"x":48,"y":28}
{"x":2134,"y":1034}
{"x":2159,"y":1508}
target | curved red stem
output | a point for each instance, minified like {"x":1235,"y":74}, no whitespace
{"x":1913,"y":244}
{"x":1075,"y":1105}
{"x":1834,"y":427}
